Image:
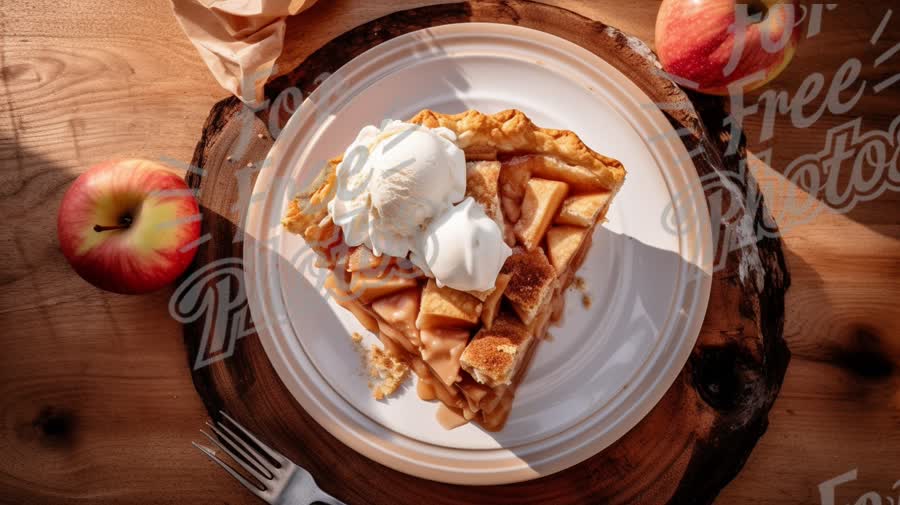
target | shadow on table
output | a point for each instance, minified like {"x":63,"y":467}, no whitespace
{"x":855,"y":347}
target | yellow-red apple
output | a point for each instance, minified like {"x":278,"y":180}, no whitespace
{"x":129,"y":226}
{"x":712,"y":44}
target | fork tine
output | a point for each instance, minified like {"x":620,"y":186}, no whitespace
{"x":243,"y":447}
{"x":240,"y":478}
{"x":272,"y":453}
{"x":246,"y":465}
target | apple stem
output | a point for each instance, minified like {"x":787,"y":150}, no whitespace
{"x":757,"y":8}
{"x":124,"y":223}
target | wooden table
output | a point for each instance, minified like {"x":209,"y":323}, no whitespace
{"x":95,"y":394}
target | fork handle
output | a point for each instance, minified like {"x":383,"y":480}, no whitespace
{"x":327,"y":499}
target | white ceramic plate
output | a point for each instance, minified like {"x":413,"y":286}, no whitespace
{"x":648,"y":271}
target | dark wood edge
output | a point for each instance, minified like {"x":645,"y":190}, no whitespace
{"x":696,"y":486}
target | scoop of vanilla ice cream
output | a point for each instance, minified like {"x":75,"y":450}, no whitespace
{"x":417,"y":174}
{"x":463,"y":248}
{"x":392,"y":181}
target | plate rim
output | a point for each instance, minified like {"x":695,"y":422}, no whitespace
{"x":400,"y":458}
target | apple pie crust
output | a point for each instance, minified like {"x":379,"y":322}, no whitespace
{"x":547,"y":191}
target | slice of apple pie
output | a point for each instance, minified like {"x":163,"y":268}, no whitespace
{"x":453,"y":239}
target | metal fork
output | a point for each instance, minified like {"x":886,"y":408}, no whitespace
{"x":281,"y":482}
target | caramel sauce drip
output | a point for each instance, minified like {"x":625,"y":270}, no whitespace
{"x":425,"y":389}
{"x":449,"y":418}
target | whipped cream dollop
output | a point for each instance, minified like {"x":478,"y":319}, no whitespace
{"x":464,"y":248}
{"x":393,"y":181}
{"x":397,"y":187}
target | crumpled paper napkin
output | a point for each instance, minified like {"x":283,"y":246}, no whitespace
{"x":238,"y":39}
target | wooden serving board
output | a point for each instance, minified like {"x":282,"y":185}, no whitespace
{"x":685,"y":451}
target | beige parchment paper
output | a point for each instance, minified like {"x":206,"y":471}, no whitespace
{"x":239,"y":40}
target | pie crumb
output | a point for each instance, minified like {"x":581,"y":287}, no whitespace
{"x":586,"y":301}
{"x":361,"y":351}
{"x":389,"y":371}
{"x":580,"y":284}
{"x":384,"y":373}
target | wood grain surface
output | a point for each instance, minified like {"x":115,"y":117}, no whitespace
{"x":685,"y":451}
{"x":97,"y":402}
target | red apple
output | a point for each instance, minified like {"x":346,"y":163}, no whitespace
{"x":129,"y":226}
{"x":695,"y":40}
